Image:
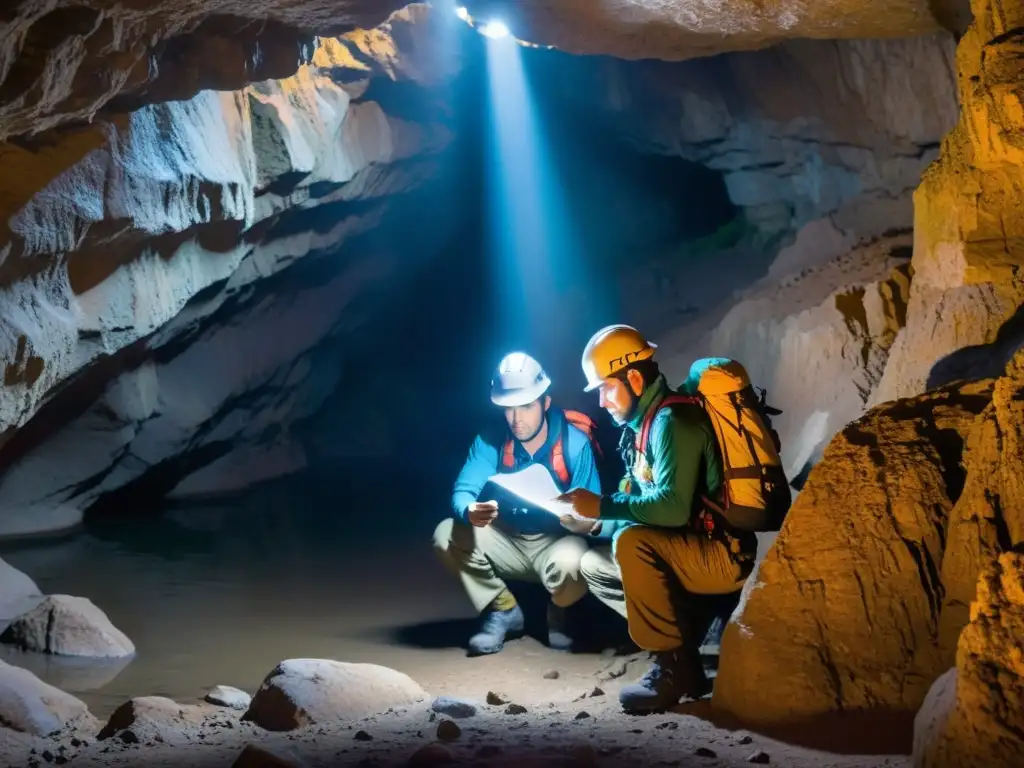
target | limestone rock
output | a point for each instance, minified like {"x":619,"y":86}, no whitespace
{"x":300,"y":692}
{"x":815,"y":335}
{"x":18,"y":593}
{"x":28,"y":704}
{"x":211,"y":195}
{"x":457,"y":708}
{"x":973,"y":713}
{"x":153,"y":717}
{"x":68,"y":626}
{"x":963,"y":318}
{"x":671,"y":31}
{"x":804,"y":130}
{"x":989,"y":515}
{"x":226,"y":696}
{"x":842,"y":612}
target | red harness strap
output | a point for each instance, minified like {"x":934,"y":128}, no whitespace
{"x":706,"y":520}
{"x":558,"y":465}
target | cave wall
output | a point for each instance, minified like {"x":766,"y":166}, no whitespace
{"x":68,"y":60}
{"x":820,"y":145}
{"x":142,"y":338}
{"x":964,"y":314}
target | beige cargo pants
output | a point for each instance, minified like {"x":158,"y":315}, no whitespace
{"x":638,"y":577}
{"x":483,"y":558}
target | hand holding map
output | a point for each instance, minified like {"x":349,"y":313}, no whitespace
{"x":535,"y":486}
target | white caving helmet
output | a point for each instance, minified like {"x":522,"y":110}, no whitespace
{"x":519,"y":380}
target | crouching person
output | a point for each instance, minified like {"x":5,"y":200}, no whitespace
{"x":668,"y":553}
{"x":488,"y":542}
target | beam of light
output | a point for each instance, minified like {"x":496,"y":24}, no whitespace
{"x":494,"y":30}
{"x":544,"y":293}
{"x":462,"y":13}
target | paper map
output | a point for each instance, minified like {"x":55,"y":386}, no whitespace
{"x":535,"y":486}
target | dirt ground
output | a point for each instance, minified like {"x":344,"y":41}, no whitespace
{"x":571,"y":719}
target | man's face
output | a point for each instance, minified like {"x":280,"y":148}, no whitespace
{"x":619,"y":398}
{"x":525,"y":421}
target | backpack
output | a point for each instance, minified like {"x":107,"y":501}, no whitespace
{"x":755,"y":493}
{"x":559,"y":453}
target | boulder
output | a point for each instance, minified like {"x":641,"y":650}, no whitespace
{"x":68,"y":626}
{"x":843,"y":611}
{"x":261,"y":757}
{"x":153,"y":718}
{"x":226,"y":696}
{"x":29,"y":705}
{"x":300,"y":692}
{"x":973,"y":713}
{"x":18,"y":593}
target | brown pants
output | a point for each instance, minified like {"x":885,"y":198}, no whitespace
{"x":662,"y":569}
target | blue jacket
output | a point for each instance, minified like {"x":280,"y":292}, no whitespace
{"x":482,"y":463}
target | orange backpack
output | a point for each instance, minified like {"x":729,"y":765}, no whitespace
{"x":559,"y":466}
{"x":755,"y":492}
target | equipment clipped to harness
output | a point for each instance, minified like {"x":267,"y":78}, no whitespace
{"x":755,"y":491}
{"x":559,"y":451}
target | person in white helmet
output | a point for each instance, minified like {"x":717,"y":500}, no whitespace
{"x":486,"y":542}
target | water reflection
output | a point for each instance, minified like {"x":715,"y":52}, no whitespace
{"x":220,"y":593}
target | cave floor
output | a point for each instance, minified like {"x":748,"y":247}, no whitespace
{"x":219,"y":598}
{"x":564,"y":724}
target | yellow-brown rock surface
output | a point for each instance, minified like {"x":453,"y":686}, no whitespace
{"x":989,"y":516}
{"x":974,"y":714}
{"x":843,"y":612}
{"x":861,"y":600}
{"x":963,"y":319}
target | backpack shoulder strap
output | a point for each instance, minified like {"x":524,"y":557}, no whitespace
{"x":508,"y":454}
{"x":645,"y":428}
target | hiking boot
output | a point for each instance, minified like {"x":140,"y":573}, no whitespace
{"x":558,"y":636}
{"x":672,"y":677}
{"x":496,"y":626}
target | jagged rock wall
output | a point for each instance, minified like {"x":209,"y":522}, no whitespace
{"x":135,"y":278}
{"x":821,"y":144}
{"x":800,"y":131}
{"x":964,"y":317}
{"x":859,"y":603}
{"x":815,"y":336}
{"x":973,"y":713}
{"x":65,"y":60}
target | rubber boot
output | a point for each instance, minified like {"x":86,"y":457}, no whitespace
{"x":674,"y":676}
{"x":497,"y":626}
{"x":558,"y":635}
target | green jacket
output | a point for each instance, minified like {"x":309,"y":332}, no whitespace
{"x":684,"y":463}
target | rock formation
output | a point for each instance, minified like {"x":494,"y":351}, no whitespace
{"x":973,"y":713}
{"x":138,"y":311}
{"x":65,"y":61}
{"x":844,"y":610}
{"x":67,"y":626}
{"x":300,"y":692}
{"x":29,"y":705}
{"x":963,"y":316}
{"x":674,"y":31}
{"x":857,"y":603}
{"x":803,"y":130}
{"x":815,"y":336}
